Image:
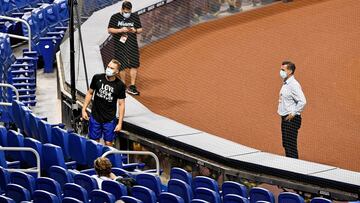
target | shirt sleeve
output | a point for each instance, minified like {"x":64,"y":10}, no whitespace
{"x":299,"y":98}
{"x":137,"y":23}
{"x":112,"y":22}
{"x":122,"y":94}
{"x":93,"y":82}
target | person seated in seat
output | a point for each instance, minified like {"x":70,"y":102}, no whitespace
{"x":102,"y":166}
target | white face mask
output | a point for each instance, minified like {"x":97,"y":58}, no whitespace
{"x":109,"y":72}
{"x":283,"y":74}
{"x":126,"y":15}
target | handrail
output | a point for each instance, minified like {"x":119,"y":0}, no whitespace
{"x":18,"y":36}
{"x":15,"y":90}
{"x":138,"y":153}
{"x":37,"y":170}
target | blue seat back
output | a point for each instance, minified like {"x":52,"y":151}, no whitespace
{"x":3,"y":162}
{"x":75,"y":191}
{"x":8,"y":7}
{"x":231,"y":187}
{"x":87,"y":182}
{"x":166,"y":197}
{"x":29,"y":157}
{"x":53,"y":156}
{"x":63,"y":9}
{"x":150,"y":181}
{"x":20,"y":4}
{"x":99,"y":196}
{"x":115,"y":188}
{"x":206,"y":182}
{"x":93,"y":151}
{"x":3,"y":136}
{"x":77,"y":148}
{"x":16,"y":113}
{"x":33,"y":122}
{"x":257,"y":194}
{"x":23,"y":179}
{"x":320,"y":200}
{"x":39,"y":20}
{"x":60,"y":137}
{"x":144,"y":194}
{"x":233,"y":198}
{"x":41,"y":196}
{"x":49,"y":185}
{"x":29,"y":18}
{"x":17,"y":193}
{"x":289,"y":197}
{"x":129,"y":199}
{"x":207,"y":195}
{"x":15,"y":139}
{"x":71,"y":200}
{"x":199,"y":201}
{"x":4,"y":179}
{"x":61,"y":175}
{"x":115,"y":159}
{"x":4,"y":199}
{"x":181,"y":189}
{"x":44,"y":131}
{"x":181,"y":174}
{"x":24,"y":113}
{"x":51,"y":15}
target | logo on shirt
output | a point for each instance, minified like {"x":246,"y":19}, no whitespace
{"x":125,"y":24}
{"x":106,"y":92}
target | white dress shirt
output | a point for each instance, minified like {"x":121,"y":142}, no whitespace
{"x":291,"y":99}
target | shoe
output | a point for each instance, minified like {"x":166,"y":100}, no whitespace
{"x":132,"y":90}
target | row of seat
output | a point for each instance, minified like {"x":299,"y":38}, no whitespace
{"x":11,"y":7}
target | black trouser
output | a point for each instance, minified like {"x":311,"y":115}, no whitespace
{"x":289,"y":130}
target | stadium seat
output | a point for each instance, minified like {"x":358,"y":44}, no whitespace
{"x":289,"y":197}
{"x":7,"y":164}
{"x":85,"y":181}
{"x":233,"y":198}
{"x":206,"y":182}
{"x":207,"y":195}
{"x":71,"y":200}
{"x":29,"y":157}
{"x":60,"y":137}
{"x":115,"y":188}
{"x":4,"y":199}
{"x":166,"y":197}
{"x":199,"y":201}
{"x":129,"y":199}
{"x":3,"y":136}
{"x":41,"y":196}
{"x":181,"y":174}
{"x":320,"y":200}
{"x":261,"y":194}
{"x":33,"y":122}
{"x":100,"y":196}
{"x":77,"y":148}
{"x":75,"y":191}
{"x":4,"y":179}
{"x":63,"y":11}
{"x":17,"y":193}
{"x":61,"y":175}
{"x":25,"y":180}
{"x":49,"y":185}
{"x":181,"y":189}
{"x":44,"y":131}
{"x":93,"y":151}
{"x":53,"y":156}
{"x":144,"y":194}
{"x":231,"y":187}
{"x":150,"y":181}
{"x":15,"y":139}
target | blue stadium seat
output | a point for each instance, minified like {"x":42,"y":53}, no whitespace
{"x":150,"y":181}
{"x":15,"y":139}
{"x":3,"y":136}
{"x":54,"y":157}
{"x":231,"y":187}
{"x":181,"y":189}
{"x":85,"y":181}
{"x":41,"y":196}
{"x":60,"y":137}
{"x":289,"y":197}
{"x":45,"y":133}
{"x":115,"y":188}
{"x":144,"y":194}
{"x":199,"y":201}
{"x":4,"y":179}
{"x":71,"y":200}
{"x":7,"y":164}
{"x":233,"y":198}
{"x":61,"y":175}
{"x":17,"y":193}
{"x":25,"y":180}
{"x":63,"y":11}
{"x":4,"y":199}
{"x":33,"y":122}
{"x":166,"y":197}
{"x":129,"y":199}
{"x":93,"y":151}
{"x":99,"y":196}
{"x":320,"y":200}
{"x":261,"y":194}
{"x":77,"y":148}
{"x":207,"y":195}
{"x":75,"y":191}
{"x":49,"y":185}
{"x":206,"y":182}
{"x":29,"y":157}
{"x":181,"y":174}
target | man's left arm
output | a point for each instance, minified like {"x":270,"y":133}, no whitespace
{"x":299,"y":98}
{"x":121,"y":109}
{"x":137,"y":25}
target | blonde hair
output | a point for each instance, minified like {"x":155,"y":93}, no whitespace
{"x":116,"y":62}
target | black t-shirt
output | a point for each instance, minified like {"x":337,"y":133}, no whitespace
{"x":106,"y":94}
{"x":118,"y":21}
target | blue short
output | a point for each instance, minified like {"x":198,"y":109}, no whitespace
{"x":98,"y":130}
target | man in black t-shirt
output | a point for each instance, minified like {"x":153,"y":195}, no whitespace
{"x":124,"y":26}
{"x":108,"y":91}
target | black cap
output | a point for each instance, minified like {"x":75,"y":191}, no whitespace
{"x":127,"y":5}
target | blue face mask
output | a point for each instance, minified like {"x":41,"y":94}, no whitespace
{"x":109,"y":72}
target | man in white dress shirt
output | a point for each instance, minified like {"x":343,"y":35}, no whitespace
{"x":291,"y":103}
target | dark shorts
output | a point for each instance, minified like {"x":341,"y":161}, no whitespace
{"x":98,"y":130}
{"x":128,"y":59}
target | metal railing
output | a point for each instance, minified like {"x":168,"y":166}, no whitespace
{"x":137,"y":153}
{"x":28,"y":38}
{"x":15,"y":90}
{"x":37,"y":170}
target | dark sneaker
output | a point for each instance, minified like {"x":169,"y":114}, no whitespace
{"x":132,"y":90}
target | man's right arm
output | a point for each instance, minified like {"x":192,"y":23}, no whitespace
{"x":88,"y":97}
{"x":112,"y":28}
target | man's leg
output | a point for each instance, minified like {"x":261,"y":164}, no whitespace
{"x":285,"y":131}
{"x":94,"y":129}
{"x":133,"y":75}
{"x":134,"y":63}
{"x":294,"y":127}
{"x":109,"y":134}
